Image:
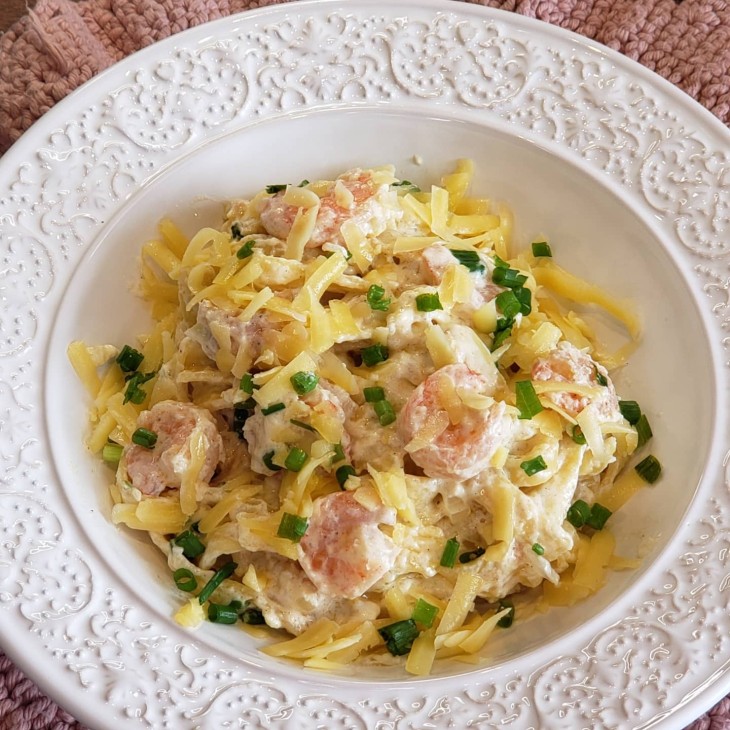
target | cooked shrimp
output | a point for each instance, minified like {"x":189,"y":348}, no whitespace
{"x":343,"y":552}
{"x":452,"y":449}
{"x":162,"y":467}
{"x":568,"y":364}
{"x":277,"y":216}
{"x":214,"y":321}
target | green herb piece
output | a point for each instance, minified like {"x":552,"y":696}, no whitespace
{"x":424,"y":613}
{"x":112,"y":453}
{"x":145,"y":438}
{"x":630,"y":410}
{"x":273,"y":408}
{"x":241,"y":412}
{"x":509,"y":278}
{"x":533,"y":466}
{"x":472,"y":555}
{"x":304,"y":382}
{"x":524,"y":297}
{"x":643,"y":429}
{"x":649,"y":469}
{"x":292,"y":527}
{"x":338,"y":454}
{"x":296,"y":459}
{"x":129,"y":359}
{"x":601,"y":379}
{"x":373,"y":394}
{"x":133,"y":391}
{"x":541,"y":249}
{"x":508,"y":304}
{"x":220,"y":614}
{"x":190,"y":543}
{"x":246,"y":384}
{"x":578,"y":514}
{"x":252,"y":615}
{"x":500,"y":263}
{"x":267,"y":459}
{"x":399,"y":637}
{"x":538,"y":549}
{"x":406,"y":186}
{"x":599,"y":515}
{"x":236,"y":232}
{"x":577,"y":435}
{"x":374,"y":354}
{"x":528,"y":404}
{"x":185,"y":580}
{"x":273,"y":189}
{"x":246,"y":250}
{"x":218,"y":577}
{"x":384,"y":411}
{"x":451,"y":550}
{"x":343,"y":473}
{"x":468,"y":258}
{"x":301,"y":424}
{"x":303,"y":183}
{"x":506,"y":621}
{"x":375,"y":298}
{"x":503,"y":331}
{"x":428,"y":302}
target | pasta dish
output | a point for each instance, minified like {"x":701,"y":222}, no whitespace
{"x":367,"y":418}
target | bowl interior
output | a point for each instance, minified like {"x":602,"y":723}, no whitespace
{"x":593,"y":232}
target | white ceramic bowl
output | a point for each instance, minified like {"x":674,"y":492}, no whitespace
{"x":586,"y":154}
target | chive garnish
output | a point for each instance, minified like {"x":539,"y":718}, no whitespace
{"x":301,"y":424}
{"x":541,"y":249}
{"x":304,"y":382}
{"x":246,"y":384}
{"x":376,"y":298}
{"x":373,"y":394}
{"x":246,"y":250}
{"x":267,"y":459}
{"x":471,"y":555}
{"x":218,"y":577}
{"x":129,"y":359}
{"x":338,"y":454}
{"x":503,"y":331}
{"x":508,"y":304}
{"x":273,"y":408}
{"x":509,"y":278}
{"x":384,"y":411}
{"x":343,"y":473}
{"x":599,"y":515}
{"x":527,"y":401}
{"x":578,"y":513}
{"x":601,"y":379}
{"x":112,"y":453}
{"x":406,"y":185}
{"x":236,"y":232}
{"x":133,"y":392}
{"x":241,"y":412}
{"x":145,"y":438}
{"x":451,"y":550}
{"x":538,"y":549}
{"x":303,"y":183}
{"x":185,"y":580}
{"x":190,"y":543}
{"x":374,"y":354}
{"x":506,"y":621}
{"x":468,"y":258}
{"x":649,"y":469}
{"x":399,"y":637}
{"x":424,"y":613}
{"x":428,"y":302}
{"x":296,"y":459}
{"x":252,"y":615}
{"x":220,"y":614}
{"x":577,"y":435}
{"x":272,"y":189}
{"x":524,"y":297}
{"x":643,"y":429}
{"x":533,"y":466}
{"x":630,"y":410}
{"x":292,"y":527}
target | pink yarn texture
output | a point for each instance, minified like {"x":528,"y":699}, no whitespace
{"x":61,"y":44}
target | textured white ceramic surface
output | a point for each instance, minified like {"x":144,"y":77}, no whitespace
{"x":626,"y":175}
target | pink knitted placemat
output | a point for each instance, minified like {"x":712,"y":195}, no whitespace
{"x":62,"y":43}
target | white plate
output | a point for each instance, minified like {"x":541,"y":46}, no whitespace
{"x":628,"y":177}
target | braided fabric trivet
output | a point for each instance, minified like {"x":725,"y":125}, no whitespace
{"x":61,"y":44}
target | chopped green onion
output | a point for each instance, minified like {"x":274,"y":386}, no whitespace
{"x":384,"y":411}
{"x":296,"y":459}
{"x":506,"y":621}
{"x":303,"y":183}
{"x":338,"y":454}
{"x":220,"y":614}
{"x":630,"y":410}
{"x":399,"y":637}
{"x":112,"y":453}
{"x":246,"y":384}
{"x":133,"y":392}
{"x":500,"y":263}
{"x":509,"y":278}
{"x":272,"y":189}
{"x":343,"y":473}
{"x":503,"y":331}
{"x":273,"y":408}
{"x":375,"y":298}
{"x":601,"y":379}
{"x":468,"y":258}
{"x":649,"y":469}
{"x":374,"y":354}
{"x":541,"y":249}
{"x":579,"y":513}
{"x":468,"y":557}
{"x":527,"y":401}
{"x":267,"y":459}
{"x":524,"y":297}
{"x":424,"y":613}
{"x":301,"y":424}
{"x":236,"y":232}
{"x":304,"y":382}
{"x":218,"y":577}
{"x":144,"y":437}
{"x":406,"y":184}
{"x":599,"y":515}
{"x":643,"y":429}
{"x":190,"y":543}
{"x":374,"y":394}
{"x":246,"y":250}
{"x":241,"y":412}
{"x":428,"y":302}
{"x":508,"y":304}
{"x":129,"y":359}
{"x":292,"y":527}
{"x":533,"y":466}
{"x":538,"y":549}
{"x":252,"y":615}
{"x":577,"y":435}
{"x":451,"y":550}
{"x":185,"y":580}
